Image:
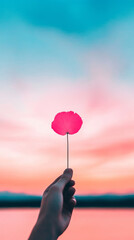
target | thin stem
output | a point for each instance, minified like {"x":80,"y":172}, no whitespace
{"x":67,"y":150}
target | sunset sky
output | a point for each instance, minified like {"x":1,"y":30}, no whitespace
{"x":60,"y":56}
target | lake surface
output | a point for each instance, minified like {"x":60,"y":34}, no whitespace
{"x":94,"y":224}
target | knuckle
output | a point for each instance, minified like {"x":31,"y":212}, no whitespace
{"x":72,"y":190}
{"x":72,"y":182}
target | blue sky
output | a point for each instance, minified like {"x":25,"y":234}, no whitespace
{"x":70,"y":16}
{"x":65,"y":42}
{"x":57,"y":38}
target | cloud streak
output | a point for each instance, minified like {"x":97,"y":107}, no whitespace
{"x":105,"y":140}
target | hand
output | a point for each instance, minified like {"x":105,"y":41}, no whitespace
{"x":57,"y":206}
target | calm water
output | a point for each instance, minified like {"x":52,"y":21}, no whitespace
{"x":95,"y":224}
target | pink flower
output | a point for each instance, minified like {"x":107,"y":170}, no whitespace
{"x":66,"y":122}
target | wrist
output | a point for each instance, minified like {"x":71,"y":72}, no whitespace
{"x":43,"y":231}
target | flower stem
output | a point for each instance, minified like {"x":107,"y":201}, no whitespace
{"x":67,"y":150}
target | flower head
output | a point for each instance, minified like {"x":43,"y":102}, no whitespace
{"x":66,"y":122}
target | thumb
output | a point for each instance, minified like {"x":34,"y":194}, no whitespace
{"x":65,"y":178}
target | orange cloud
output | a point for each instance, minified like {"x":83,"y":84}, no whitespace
{"x":32,"y":154}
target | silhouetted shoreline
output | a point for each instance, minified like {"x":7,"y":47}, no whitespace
{"x":21,"y":200}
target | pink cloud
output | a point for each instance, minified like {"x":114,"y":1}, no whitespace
{"x":26,"y":137}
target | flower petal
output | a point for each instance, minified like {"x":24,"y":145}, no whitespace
{"x":66,"y":122}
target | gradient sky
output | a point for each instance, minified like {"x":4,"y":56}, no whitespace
{"x":59,"y":56}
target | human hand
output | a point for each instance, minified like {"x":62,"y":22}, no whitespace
{"x":56,"y":206}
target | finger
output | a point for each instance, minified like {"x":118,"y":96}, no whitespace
{"x":71,"y":204}
{"x":47,"y":189}
{"x":69,"y":193}
{"x":71,"y":183}
{"x":65,"y":178}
